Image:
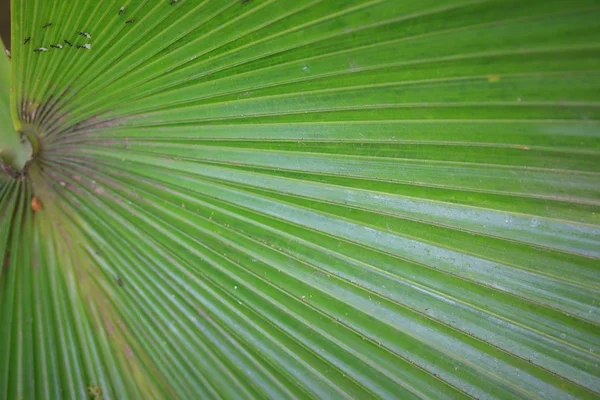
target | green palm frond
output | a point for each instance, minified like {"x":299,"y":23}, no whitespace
{"x":301,"y":199}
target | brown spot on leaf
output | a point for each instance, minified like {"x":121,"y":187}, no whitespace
{"x":36,"y":204}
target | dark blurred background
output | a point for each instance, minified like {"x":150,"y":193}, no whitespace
{"x":5,"y":22}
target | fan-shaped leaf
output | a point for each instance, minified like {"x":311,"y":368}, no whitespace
{"x":284,"y":199}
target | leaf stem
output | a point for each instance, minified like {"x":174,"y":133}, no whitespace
{"x":15,"y":149}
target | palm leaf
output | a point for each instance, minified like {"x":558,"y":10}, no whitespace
{"x":283,"y":199}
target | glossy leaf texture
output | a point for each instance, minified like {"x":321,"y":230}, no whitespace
{"x":304,"y":199}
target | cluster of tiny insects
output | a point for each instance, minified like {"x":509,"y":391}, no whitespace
{"x":58,"y":46}
{"x":87,"y":46}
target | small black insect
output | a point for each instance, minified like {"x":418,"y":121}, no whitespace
{"x":69,"y":43}
{"x":120,"y":281}
{"x":130,"y":21}
{"x":48,"y":25}
{"x":40,"y":49}
{"x":84,"y":46}
{"x":56,"y":46}
{"x":87,"y":35}
{"x":173,"y":2}
{"x":27,"y":40}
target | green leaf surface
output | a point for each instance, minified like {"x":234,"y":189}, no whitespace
{"x":10,"y":154}
{"x":303,"y":199}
